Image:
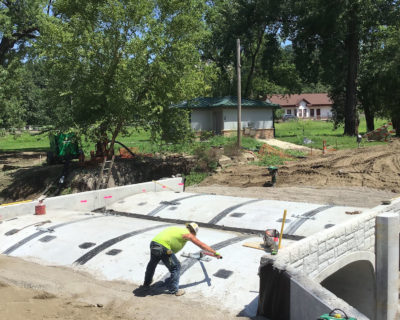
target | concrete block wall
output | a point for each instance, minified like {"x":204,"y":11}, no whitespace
{"x":255,"y":133}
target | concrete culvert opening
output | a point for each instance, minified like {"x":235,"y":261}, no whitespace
{"x":355,"y":284}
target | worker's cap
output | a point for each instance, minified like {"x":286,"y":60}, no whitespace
{"x":193,"y":226}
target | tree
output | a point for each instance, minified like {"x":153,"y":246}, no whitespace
{"x":378,"y":85}
{"x":267,"y":67}
{"x":19,"y":27}
{"x":381,"y":83}
{"x":117,"y":63}
{"x":327,"y":36}
{"x":19,"y":23}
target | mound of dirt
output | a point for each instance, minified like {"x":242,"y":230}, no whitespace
{"x":22,"y":182}
{"x":376,"y":167}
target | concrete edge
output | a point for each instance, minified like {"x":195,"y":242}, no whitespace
{"x":92,"y":200}
{"x":306,"y":298}
{"x":317,"y":300}
{"x":344,"y":261}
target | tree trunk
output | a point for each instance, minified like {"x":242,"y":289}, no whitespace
{"x":396,"y":124}
{"x":110,"y":151}
{"x":253,"y":62}
{"x":369,"y":118}
{"x":352,"y":49}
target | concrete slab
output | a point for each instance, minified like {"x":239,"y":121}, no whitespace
{"x":303,"y":219}
{"x":117,"y":247}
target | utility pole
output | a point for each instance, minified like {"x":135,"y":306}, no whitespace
{"x":239,"y":95}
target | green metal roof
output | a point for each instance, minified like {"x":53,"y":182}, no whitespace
{"x":229,"y":101}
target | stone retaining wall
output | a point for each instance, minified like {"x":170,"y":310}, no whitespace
{"x":310,"y":261}
{"x":315,"y":253}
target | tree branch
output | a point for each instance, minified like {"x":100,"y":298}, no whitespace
{"x":48,"y":7}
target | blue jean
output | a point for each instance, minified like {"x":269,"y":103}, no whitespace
{"x":157,"y":253}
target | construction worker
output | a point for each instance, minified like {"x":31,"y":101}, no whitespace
{"x":164,"y":246}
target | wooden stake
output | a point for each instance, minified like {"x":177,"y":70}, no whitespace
{"x":283,"y":224}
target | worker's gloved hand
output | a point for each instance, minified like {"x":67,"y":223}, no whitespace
{"x":217,"y":255}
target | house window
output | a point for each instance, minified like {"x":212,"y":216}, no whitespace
{"x":300,"y":113}
{"x":311,"y":112}
{"x":288,"y":111}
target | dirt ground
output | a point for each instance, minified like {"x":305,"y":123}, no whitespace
{"x":14,"y":163}
{"x":360,"y":177}
{"x":32,"y":291}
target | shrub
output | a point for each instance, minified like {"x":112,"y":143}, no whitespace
{"x":195,"y":178}
{"x":207,"y":158}
{"x":278,"y":114}
{"x":206,"y":135}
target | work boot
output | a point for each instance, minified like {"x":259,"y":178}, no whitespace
{"x":180,"y":292}
{"x":144,"y":287}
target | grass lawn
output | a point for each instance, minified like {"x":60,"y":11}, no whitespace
{"x":135,"y":138}
{"x":317,"y":131}
{"x":290,"y":131}
{"x":26,"y":141}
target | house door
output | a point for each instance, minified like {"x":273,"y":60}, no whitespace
{"x":217,"y":121}
{"x":312,"y":113}
{"x":318,"y":113}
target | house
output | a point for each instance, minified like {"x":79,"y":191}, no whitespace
{"x":306,"y":106}
{"x":220,"y":115}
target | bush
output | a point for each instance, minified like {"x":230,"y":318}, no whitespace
{"x":278,"y":114}
{"x":207,"y":158}
{"x":206,"y":135}
{"x":195,"y":178}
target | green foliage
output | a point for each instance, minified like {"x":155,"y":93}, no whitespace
{"x":172,"y":126}
{"x":207,"y":158}
{"x":379,"y":81}
{"x":296,"y":153}
{"x":206,"y":135}
{"x":20,"y":22}
{"x":266,"y":66}
{"x":272,"y":160}
{"x":327,"y":40}
{"x":195,"y":178}
{"x":278,"y":114}
{"x":117,"y":63}
{"x":11,"y":111}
